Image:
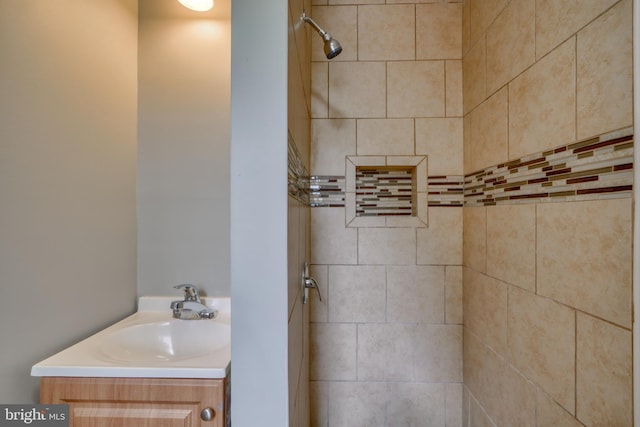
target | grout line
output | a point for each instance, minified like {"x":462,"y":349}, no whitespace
{"x":575,"y":363}
{"x":535,"y":250}
{"x":535,"y":32}
{"x":486,"y":233}
{"x":415,"y":32}
{"x":445,"y":295}
{"x":575,"y":85}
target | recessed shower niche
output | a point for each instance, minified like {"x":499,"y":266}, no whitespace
{"x":386,"y":191}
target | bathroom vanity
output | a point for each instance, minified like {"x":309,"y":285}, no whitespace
{"x":150,"y":369}
{"x":140,"y":402}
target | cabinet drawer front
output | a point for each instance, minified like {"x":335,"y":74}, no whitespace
{"x":134,"y":415}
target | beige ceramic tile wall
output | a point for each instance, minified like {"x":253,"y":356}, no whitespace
{"x":299,"y":124}
{"x":386,"y":341}
{"x":547,"y":287}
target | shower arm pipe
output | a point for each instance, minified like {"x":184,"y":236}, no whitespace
{"x":315,"y":26}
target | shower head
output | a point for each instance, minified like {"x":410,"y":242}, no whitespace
{"x":332,"y":46}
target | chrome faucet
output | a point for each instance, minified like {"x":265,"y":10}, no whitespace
{"x":191,"y":308}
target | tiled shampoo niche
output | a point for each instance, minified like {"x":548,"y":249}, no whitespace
{"x":386,"y":191}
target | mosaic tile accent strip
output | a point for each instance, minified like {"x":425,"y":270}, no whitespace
{"x":384,"y":191}
{"x":592,"y":169}
{"x":298,"y":177}
{"x":596,"y":168}
{"x":327,"y":191}
{"x":446,"y":191}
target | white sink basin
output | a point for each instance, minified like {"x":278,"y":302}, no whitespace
{"x":170,"y":340}
{"x":150,"y":344}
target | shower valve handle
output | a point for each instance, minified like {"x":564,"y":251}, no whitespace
{"x":308,"y":282}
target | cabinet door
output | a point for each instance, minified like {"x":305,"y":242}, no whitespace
{"x":99,"y":414}
{"x":137,"y":402}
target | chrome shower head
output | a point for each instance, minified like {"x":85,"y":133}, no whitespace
{"x":332,"y":46}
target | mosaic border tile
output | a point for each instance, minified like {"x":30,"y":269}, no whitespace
{"x":592,"y":169}
{"x":381,"y":192}
{"x":595,"y":168}
{"x":297,"y":175}
{"x":327,"y":191}
{"x":446,"y":190}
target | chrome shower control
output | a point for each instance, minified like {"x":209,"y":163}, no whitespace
{"x":308,"y":282}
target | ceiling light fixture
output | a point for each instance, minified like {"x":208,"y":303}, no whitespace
{"x":197,"y":5}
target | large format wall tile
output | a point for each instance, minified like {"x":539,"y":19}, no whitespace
{"x":485,"y":309}
{"x":482,"y":369}
{"x":333,"y":351}
{"x":411,"y":404}
{"x":466,"y":27}
{"x":318,"y":310}
{"x":387,"y":246}
{"x":475,"y":238}
{"x":454,"y":405}
{"x":357,"y":293}
{"x":453,"y":294}
{"x":466,"y":144}
{"x":478,"y":416}
{"x":453,"y":91}
{"x":441,"y":242}
{"x":584,"y":256}
{"x":605,"y":72}
{"x":541,"y":336}
{"x":331,"y":241}
{"x":438,"y":353}
{"x":415,"y":89}
{"x":385,"y":137}
{"x":511,"y":244}
{"x":510,"y":43}
{"x":518,"y":399}
{"x":354,"y":404}
{"x":438,"y":34}
{"x":549,"y":413}
{"x":320,"y":90}
{"x":501,"y":390}
{"x":603,"y":374}
{"x":385,"y":352}
{"x":557,"y":20}
{"x":415,"y":294}
{"x":474,"y":72}
{"x":481,"y":15}
{"x":319,"y":408}
{"x":542,"y":104}
{"x":357,"y":89}
{"x":441,"y":140}
{"x":332,"y":140}
{"x":386,"y":32}
{"x":490,"y":131}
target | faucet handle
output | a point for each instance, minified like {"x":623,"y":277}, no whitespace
{"x":190,"y":292}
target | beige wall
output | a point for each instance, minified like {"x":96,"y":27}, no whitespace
{"x":183,"y":148}
{"x":547,"y":286}
{"x":67,"y":178}
{"x":386,"y":342}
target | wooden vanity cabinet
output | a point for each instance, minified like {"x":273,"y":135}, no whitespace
{"x":139,"y":402}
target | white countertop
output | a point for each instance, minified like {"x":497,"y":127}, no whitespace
{"x":97,"y":357}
